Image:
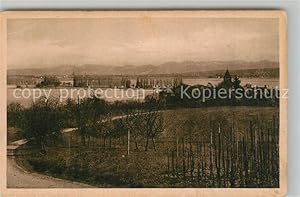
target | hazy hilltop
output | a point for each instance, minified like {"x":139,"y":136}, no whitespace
{"x":166,"y":68}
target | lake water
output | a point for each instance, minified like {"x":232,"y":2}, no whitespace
{"x":27,"y":96}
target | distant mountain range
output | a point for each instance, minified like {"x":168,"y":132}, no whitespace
{"x":166,"y":68}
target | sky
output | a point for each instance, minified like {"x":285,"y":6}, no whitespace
{"x":36,"y":43}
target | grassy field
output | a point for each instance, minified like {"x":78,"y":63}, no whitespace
{"x":207,"y":147}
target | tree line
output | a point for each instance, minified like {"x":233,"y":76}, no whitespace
{"x":234,"y":95}
{"x":94,"y":119}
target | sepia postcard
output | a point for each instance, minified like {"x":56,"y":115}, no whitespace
{"x":143,"y":103}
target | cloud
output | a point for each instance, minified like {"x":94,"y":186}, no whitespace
{"x":52,"y":42}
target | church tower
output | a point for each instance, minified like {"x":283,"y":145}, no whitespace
{"x":227,"y":77}
{"x":227,"y":81}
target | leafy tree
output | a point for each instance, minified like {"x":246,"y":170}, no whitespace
{"x":134,"y":124}
{"x":49,"y":81}
{"x":15,"y":115}
{"x":236,"y":82}
{"x":42,"y":122}
{"x":87,"y":113}
{"x":152,"y":122}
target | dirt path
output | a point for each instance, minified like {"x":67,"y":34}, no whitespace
{"x":19,"y":178}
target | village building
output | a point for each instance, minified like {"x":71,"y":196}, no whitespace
{"x":161,"y":83}
{"x":95,"y":81}
{"x":66,"y":81}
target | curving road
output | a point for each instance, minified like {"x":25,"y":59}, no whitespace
{"x":19,"y":178}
